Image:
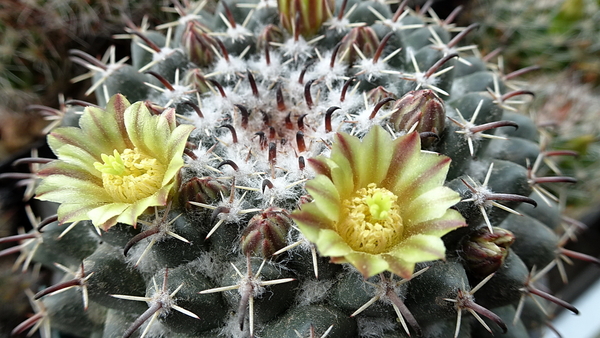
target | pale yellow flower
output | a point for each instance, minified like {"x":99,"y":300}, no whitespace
{"x":379,"y":204}
{"x":118,"y":163}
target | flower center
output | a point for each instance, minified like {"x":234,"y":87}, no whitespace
{"x":130,"y":176}
{"x":373,"y":223}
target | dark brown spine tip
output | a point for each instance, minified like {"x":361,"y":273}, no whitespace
{"x":31,"y":160}
{"x":492,"y":54}
{"x":245,"y":115}
{"x":428,"y":134}
{"x":218,"y":210}
{"x":266,"y":183}
{"x":379,"y":105}
{"x":262,"y":139}
{"x":342,"y":10}
{"x":381,"y":46}
{"x":80,"y":103}
{"x":229,"y":15}
{"x":580,"y":256}
{"x":301,"y":121}
{"x":57,"y":287}
{"x":307,"y":95}
{"x":453,"y":15}
{"x":229,"y":163}
{"x":83,"y":56}
{"x":303,"y":72}
{"x":300,"y":141}
{"x":554,"y":179}
{"x":439,"y":63}
{"x":521,"y":71}
{"x":161,"y":79}
{"x":489,"y":314}
{"x":46,"y":221}
{"x":219,"y":87}
{"x":139,"y":237}
{"x":493,"y":125}
{"x":553,"y":299}
{"x":28,"y":323}
{"x":18,"y":238}
{"x":336,"y":49}
{"x":272,"y":152}
{"x":328,"y":114}
{"x":462,"y":34}
{"x":399,"y":11}
{"x":280,"y":100}
{"x":195,"y":107}
{"x":512,"y":198}
{"x":301,"y":163}
{"x":517,"y":93}
{"x":232,"y":130}
{"x":134,"y":30}
{"x":345,"y":88}
{"x":223,"y":49}
{"x":252,"y":83}
{"x":561,"y":153}
{"x":142,"y":319}
{"x":189,"y":152}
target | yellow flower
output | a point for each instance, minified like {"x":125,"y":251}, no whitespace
{"x":379,"y":204}
{"x":119,"y":162}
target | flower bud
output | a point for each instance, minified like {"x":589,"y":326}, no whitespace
{"x":485,"y":252}
{"x":379,"y":93}
{"x":202,"y":190}
{"x":195,"y":79}
{"x":304,"y":17}
{"x":423,"y":107}
{"x":364,"y":38}
{"x":266,"y":232}
{"x":197,"y":43}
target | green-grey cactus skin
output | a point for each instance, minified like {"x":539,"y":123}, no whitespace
{"x":225,"y":259}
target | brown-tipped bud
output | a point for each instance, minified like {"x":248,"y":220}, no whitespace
{"x":197,"y":43}
{"x":484,"y":252}
{"x":266,"y":232}
{"x":270,"y":33}
{"x":195,"y":79}
{"x":153,"y":107}
{"x":304,"y":17}
{"x":376,"y":95}
{"x":202,"y":190}
{"x":364,"y":38}
{"x":422,"y":107}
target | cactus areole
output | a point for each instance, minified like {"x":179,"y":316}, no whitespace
{"x":301,"y":168}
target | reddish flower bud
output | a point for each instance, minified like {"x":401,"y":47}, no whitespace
{"x":202,"y":190}
{"x":423,"y":107}
{"x":364,"y":38}
{"x":485,"y":252}
{"x":304,"y":17}
{"x":378,"y":94}
{"x":266,"y":232}
{"x":197,"y":43}
{"x":195,"y":78}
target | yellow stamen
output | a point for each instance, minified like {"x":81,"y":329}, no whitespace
{"x":130,"y":176}
{"x":373,"y":223}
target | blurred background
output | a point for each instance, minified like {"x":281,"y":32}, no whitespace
{"x":562,"y":37}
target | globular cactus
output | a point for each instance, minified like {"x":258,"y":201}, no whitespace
{"x":299,"y":169}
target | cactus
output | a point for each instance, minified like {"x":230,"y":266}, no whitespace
{"x":299,"y":169}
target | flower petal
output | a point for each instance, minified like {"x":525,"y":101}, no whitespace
{"x":375,"y":156}
{"x":420,"y":248}
{"x":310,"y":220}
{"x":430,"y":205}
{"x":65,"y":189}
{"x":330,"y":243}
{"x":368,"y":265}
{"x":105,"y":214}
{"x":345,"y":151}
{"x":451,"y":220}
{"x":325,"y":196}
